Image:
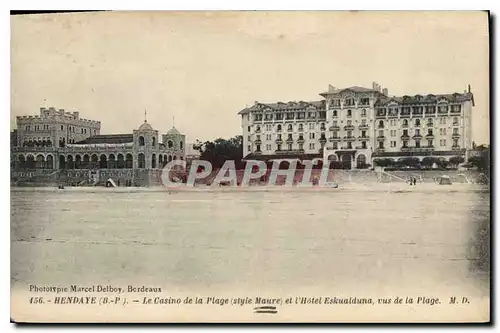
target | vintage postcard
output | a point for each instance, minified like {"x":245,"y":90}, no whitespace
{"x":275,"y":167}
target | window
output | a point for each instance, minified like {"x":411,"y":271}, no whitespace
{"x":349,"y":123}
{"x":279,"y":136}
{"x":335,"y":113}
{"x":381,"y":124}
{"x":363,"y":113}
{"x":322,"y":127}
{"x":381,"y":133}
{"x":417,"y":131}
{"x":257,"y":130}
{"x":290,"y":127}
{"x":301,"y":127}
{"x":141,"y":141}
{"x":268,"y":147}
{"x":153,"y":142}
{"x":442,"y":131}
{"x":455,"y":142}
{"x":363,"y":145}
{"x":257,"y":148}
{"x":405,"y":144}
{"x":455,"y":131}
{"x":335,"y":123}
{"x":335,"y":102}
{"x":405,"y":132}
{"x":393,"y":132}
{"x":269,"y":127}
{"x":335,"y":145}
{"x":268,"y":137}
{"x":349,"y":134}
{"x":311,"y":114}
{"x":311,"y":126}
{"x":279,"y":116}
{"x":393,"y":144}
{"x":364,"y":101}
{"x":363,"y":122}
{"x":442,"y":121}
{"x":290,"y":115}
{"x":349,"y":145}
{"x":249,"y":138}
{"x":289,"y":137}
{"x":405,"y":122}
{"x":278,"y":147}
{"x":430,"y":122}
{"x":301,"y":115}
{"x":381,"y":145}
{"x":429,"y":143}
{"x":442,"y":142}
{"x":311,"y":145}
{"x":311,"y":135}
{"x":289,"y":146}
{"x":455,"y":120}
{"x":363,"y":134}
{"x":170,"y":144}
{"x":349,"y":101}
{"x":335,"y":134}
{"x":417,"y":143}
{"x":62,"y":127}
{"x":278,"y":128}
{"x":349,"y":113}
{"x":249,"y":129}
{"x":430,"y":132}
{"x":417,"y":122}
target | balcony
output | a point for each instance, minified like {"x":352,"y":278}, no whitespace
{"x":380,"y":150}
{"x":257,"y":131}
{"x":456,"y":148}
{"x":430,"y":125}
{"x":279,"y":130}
{"x":322,"y":139}
{"x":350,"y":138}
{"x":405,"y":137}
{"x":289,"y":140}
{"x":363,"y":127}
{"x":455,"y":136}
{"x":364,"y":138}
{"x":405,"y":148}
{"x":334,"y":128}
{"x":288,"y":152}
{"x":279,"y":141}
{"x":258,"y":142}
{"x":380,"y":138}
{"x":349,"y":128}
{"x":300,"y":140}
{"x":429,"y":136}
{"x":334,"y":138}
{"x":404,"y":125}
{"x":257,"y":152}
{"x":417,"y":137}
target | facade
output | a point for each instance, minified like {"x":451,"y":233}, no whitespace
{"x":57,"y":140}
{"x":355,"y":125}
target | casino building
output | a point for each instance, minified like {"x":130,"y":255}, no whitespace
{"x":66,"y":148}
{"x":356,"y":125}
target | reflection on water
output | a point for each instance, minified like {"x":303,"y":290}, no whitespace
{"x":252,"y":239}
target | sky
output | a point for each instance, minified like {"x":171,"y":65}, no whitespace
{"x":204,"y":67}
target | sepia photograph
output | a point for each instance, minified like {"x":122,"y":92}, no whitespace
{"x":250,"y":167}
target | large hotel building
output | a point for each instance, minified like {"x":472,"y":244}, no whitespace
{"x":356,"y":125}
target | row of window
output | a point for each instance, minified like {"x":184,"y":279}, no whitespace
{"x":442,"y":143}
{"x":417,"y":110}
{"x":170,"y":143}
{"x":289,"y":115}
{"x":350,"y":101}
{"x":71,"y":129}
{"x":289,"y":127}
{"x":442,"y":131}
{"x":418,"y":122}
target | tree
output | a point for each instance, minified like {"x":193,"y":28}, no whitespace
{"x":221,"y":150}
{"x":456,"y":160}
{"x":409,"y":161}
{"x":429,"y":161}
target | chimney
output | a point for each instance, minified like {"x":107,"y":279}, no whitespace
{"x":76,"y":115}
{"x":331,"y":88}
{"x":374,"y":85}
{"x":385,"y":91}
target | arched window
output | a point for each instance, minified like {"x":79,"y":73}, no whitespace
{"x":62,"y":162}
{"x":335,"y":113}
{"x":290,"y":127}
{"x":258,"y":128}
{"x":40,"y":162}
{"x":361,"y":162}
{"x":417,"y":122}
{"x":49,"y":162}
{"x":120,"y":164}
{"x":69,"y":162}
{"x":381,"y":124}
{"x":301,"y":127}
{"x":21,"y":162}
{"x":94,"y":161}
{"x":141,"y":161}
{"x":455,"y":120}
{"x":279,"y":127}
{"x":349,"y":113}
{"x":153,"y":161}
{"x":141,"y":141}
{"x":129,"y":161}
{"x":86,"y":161}
{"x":103,"y":162}
{"x":111,"y":161}
{"x":363,"y":113}
{"x":180,"y":144}
{"x":78,"y":162}
{"x":153,"y":141}
{"x":405,"y":122}
{"x":170,"y":144}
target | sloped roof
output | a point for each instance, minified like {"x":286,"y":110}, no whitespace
{"x":262,"y":157}
{"x":357,"y":89}
{"x":108,"y":138}
{"x":423,"y":99}
{"x":173,"y":131}
{"x":284,"y":106}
